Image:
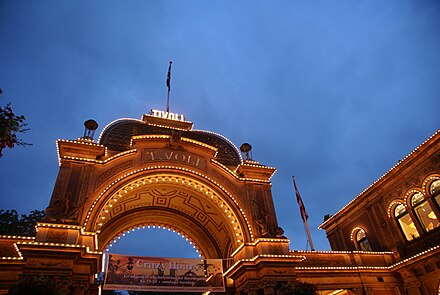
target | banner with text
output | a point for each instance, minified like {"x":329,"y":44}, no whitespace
{"x":137,"y":273}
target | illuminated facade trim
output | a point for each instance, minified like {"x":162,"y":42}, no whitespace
{"x":159,"y":226}
{"x":171,"y":168}
{"x":380,"y":178}
{"x":134,"y":166}
{"x":176,"y":180}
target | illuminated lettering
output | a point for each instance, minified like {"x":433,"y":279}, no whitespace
{"x":167,"y":115}
{"x":183,"y":266}
{"x":154,"y":155}
{"x":152,"y":265}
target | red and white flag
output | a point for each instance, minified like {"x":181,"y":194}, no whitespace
{"x":302,"y":208}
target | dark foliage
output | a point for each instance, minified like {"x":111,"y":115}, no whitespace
{"x":10,"y":224}
{"x":297,"y":288}
{"x":10,"y":125}
{"x":41,"y":285}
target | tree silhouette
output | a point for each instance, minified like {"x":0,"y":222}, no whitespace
{"x":11,"y":225}
{"x":10,"y":125}
{"x":297,"y":288}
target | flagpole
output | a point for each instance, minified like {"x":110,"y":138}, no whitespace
{"x":168,"y":101}
{"x":303,"y":213}
{"x":169,"y":86}
{"x":309,"y":236}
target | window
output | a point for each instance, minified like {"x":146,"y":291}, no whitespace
{"x":424,"y":211}
{"x":434,"y":190}
{"x":405,"y":222}
{"x":362,"y":241}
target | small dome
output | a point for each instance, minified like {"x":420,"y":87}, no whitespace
{"x":117,"y":136}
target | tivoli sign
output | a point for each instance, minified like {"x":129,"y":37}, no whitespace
{"x":167,"y":115}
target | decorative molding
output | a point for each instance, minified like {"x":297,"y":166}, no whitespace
{"x":56,"y":236}
{"x":112,"y":172}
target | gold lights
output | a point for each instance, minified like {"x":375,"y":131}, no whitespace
{"x":115,"y":122}
{"x":392,"y":205}
{"x":257,"y":241}
{"x":380,"y":178}
{"x":225,"y":139}
{"x":61,"y":245}
{"x":227,"y":211}
{"x":354,"y":231}
{"x":341,"y":252}
{"x":235,"y":175}
{"x":16,"y":237}
{"x":377,"y":268}
{"x":298,"y":258}
{"x":159,"y":226}
{"x":171,"y":179}
{"x":160,"y":136}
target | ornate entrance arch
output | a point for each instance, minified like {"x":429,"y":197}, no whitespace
{"x":161,"y":172}
{"x":199,"y":210}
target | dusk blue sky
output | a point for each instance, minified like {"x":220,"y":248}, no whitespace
{"x":333,"y":92}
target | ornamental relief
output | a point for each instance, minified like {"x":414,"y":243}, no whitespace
{"x":56,"y":236}
{"x":416,"y":182}
{"x":111,"y":172}
{"x":205,"y":213}
{"x":49,"y":263}
{"x":224,"y":180}
{"x":150,"y":155}
{"x":61,"y":182}
{"x":85,"y":179}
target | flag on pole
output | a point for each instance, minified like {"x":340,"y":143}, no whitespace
{"x":302,"y":208}
{"x":169,"y":77}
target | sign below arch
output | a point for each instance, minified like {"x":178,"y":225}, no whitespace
{"x":142,"y":273}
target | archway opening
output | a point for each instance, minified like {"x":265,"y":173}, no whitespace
{"x":153,"y":241}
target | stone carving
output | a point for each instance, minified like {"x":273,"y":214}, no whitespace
{"x":56,"y":236}
{"x":85,"y":182}
{"x":262,"y":228}
{"x":62,"y":178}
{"x":62,"y":210}
{"x":264,"y":224}
{"x":49,"y":263}
{"x":266,"y":232}
{"x":193,"y":206}
{"x":175,"y":140}
{"x":275,"y":249}
{"x":228,"y":183}
{"x":113,"y":171}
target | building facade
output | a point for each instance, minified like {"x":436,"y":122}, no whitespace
{"x":159,"y":171}
{"x":399,"y":213}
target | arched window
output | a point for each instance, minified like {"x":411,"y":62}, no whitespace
{"x":434,"y":190}
{"x":424,"y":211}
{"x":362,"y":241}
{"x":405,"y":222}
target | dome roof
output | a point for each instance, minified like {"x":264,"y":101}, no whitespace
{"x":117,"y":136}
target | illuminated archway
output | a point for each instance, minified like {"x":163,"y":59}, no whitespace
{"x":187,"y":203}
